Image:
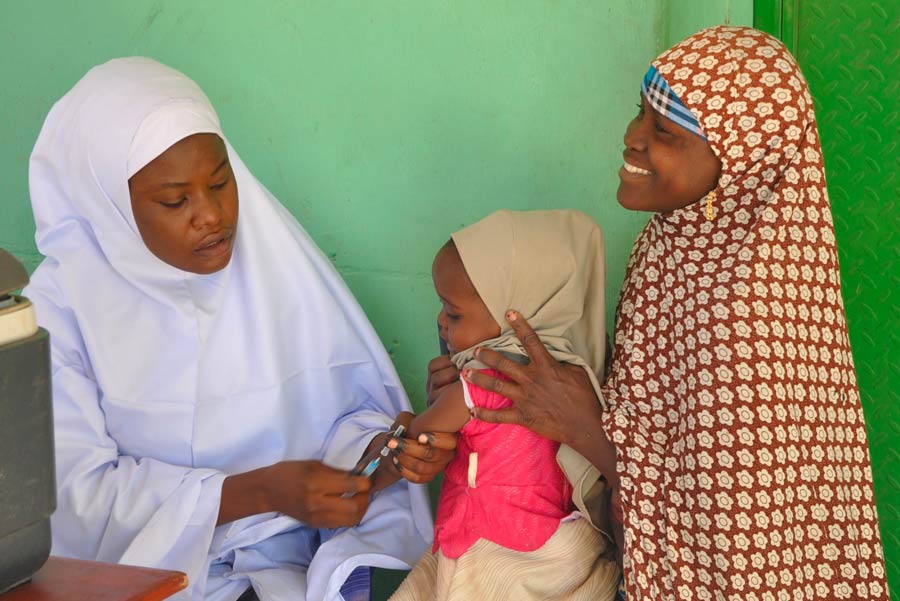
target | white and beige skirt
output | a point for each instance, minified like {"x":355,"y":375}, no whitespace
{"x":573,"y":565}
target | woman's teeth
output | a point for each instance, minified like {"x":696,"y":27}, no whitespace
{"x":636,"y":170}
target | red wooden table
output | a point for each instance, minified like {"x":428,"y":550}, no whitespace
{"x":64,"y":579}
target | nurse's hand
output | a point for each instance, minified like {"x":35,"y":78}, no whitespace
{"x":309,"y":491}
{"x":313,"y":493}
{"x":441,"y":373}
{"x":420,"y":460}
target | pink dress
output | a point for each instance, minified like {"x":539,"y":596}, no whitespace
{"x":503,"y":486}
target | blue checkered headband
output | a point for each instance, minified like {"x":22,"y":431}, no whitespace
{"x":667,"y":103}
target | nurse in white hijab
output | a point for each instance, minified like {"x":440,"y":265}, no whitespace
{"x":213,"y":377}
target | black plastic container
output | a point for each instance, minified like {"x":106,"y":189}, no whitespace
{"x":27,"y":478}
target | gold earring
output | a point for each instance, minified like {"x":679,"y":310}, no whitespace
{"x":709,"y":202}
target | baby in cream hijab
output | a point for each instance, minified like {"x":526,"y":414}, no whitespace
{"x":514,"y":502}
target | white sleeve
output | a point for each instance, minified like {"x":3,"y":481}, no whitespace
{"x":352,"y":432}
{"x":117,"y":508}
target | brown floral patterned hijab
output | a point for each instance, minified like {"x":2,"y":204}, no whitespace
{"x":734,"y":406}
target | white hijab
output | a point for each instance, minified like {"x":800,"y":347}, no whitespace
{"x":166,"y":381}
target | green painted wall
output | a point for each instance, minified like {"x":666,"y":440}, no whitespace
{"x":383,"y":126}
{"x":681,"y":18}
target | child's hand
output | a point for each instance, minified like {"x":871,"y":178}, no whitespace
{"x":441,"y":373}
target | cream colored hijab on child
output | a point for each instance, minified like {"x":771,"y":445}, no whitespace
{"x":549,"y":266}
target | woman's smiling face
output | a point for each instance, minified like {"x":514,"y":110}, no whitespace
{"x":666,"y":166}
{"x":185,"y":204}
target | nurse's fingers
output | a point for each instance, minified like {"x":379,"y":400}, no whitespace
{"x":445,"y":441}
{"x":338,"y":482}
{"x":357,"y":484}
{"x":426,"y":452}
{"x":416,"y":470}
{"x":406,"y":473}
{"x":336,"y":512}
{"x":438,"y":440}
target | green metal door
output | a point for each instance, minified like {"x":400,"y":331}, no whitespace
{"x":849,"y":52}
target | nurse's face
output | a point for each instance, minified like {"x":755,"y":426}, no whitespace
{"x":185,"y":204}
{"x":666,"y":166}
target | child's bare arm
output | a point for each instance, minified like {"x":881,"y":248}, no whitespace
{"x":448,"y":413}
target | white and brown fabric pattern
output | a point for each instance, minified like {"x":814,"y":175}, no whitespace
{"x":742,"y":447}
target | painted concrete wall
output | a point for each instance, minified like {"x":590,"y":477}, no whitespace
{"x":681,"y":18}
{"x":382,"y":126}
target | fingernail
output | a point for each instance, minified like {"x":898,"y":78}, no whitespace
{"x":477,"y":351}
{"x":392,"y":443}
{"x":511,"y":316}
{"x":426,"y":438}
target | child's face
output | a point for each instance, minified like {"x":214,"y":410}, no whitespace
{"x":464,"y":319}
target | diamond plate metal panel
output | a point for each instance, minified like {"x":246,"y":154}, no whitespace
{"x":849,"y":52}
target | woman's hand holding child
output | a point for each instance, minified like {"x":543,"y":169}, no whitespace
{"x":552,"y":399}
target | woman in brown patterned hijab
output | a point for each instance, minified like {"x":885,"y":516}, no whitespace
{"x":740,"y":448}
